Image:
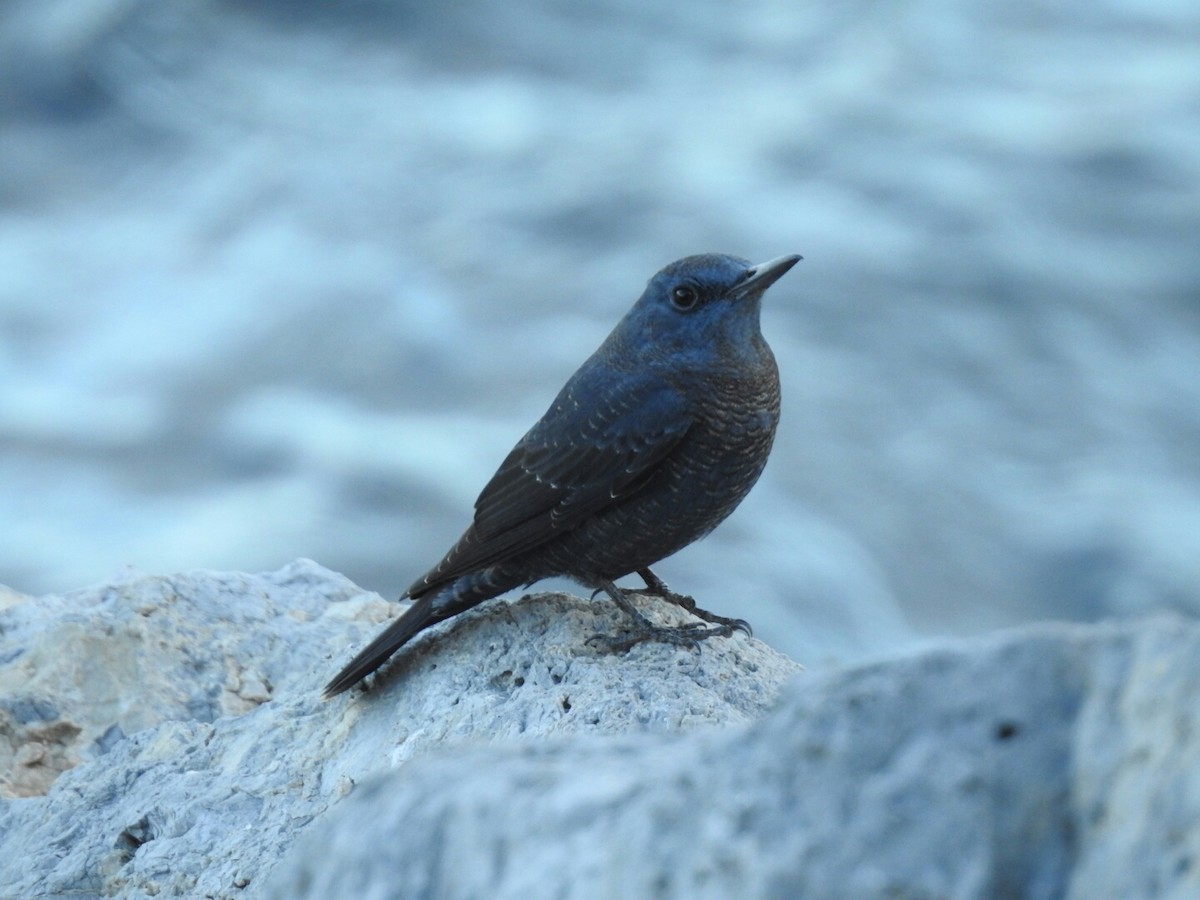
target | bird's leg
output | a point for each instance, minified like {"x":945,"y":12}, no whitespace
{"x":645,"y":630}
{"x":656,"y":587}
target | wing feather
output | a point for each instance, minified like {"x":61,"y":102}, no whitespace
{"x":591,"y":449}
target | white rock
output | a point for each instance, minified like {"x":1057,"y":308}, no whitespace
{"x":1052,"y":762}
{"x":501,"y":757}
{"x":193,"y":704}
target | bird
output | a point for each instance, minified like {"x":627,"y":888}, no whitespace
{"x":655,"y":439}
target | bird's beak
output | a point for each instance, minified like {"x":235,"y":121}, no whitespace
{"x":759,"y":278}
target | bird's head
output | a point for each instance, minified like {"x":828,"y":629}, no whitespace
{"x":702,"y":309}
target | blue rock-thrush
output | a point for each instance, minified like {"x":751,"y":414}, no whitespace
{"x":649,"y":446}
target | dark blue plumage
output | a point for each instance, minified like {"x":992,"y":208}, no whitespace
{"x":653,"y":442}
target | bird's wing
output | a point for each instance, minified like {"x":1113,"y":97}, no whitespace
{"x":593,"y":447}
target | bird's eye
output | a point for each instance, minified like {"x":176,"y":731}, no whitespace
{"x":684,"y":297}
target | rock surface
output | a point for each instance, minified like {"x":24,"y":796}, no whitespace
{"x":1059,"y":761}
{"x":502,"y":758}
{"x":175,"y":727}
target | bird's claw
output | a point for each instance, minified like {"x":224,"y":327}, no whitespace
{"x":743,"y":626}
{"x":656,"y":587}
{"x":688,"y":636}
{"x":732,"y":624}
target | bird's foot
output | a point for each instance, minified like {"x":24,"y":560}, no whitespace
{"x":656,"y":587}
{"x":688,"y":636}
{"x":644,"y":630}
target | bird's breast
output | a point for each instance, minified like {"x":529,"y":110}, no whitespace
{"x":699,"y":482}
{"x":734,"y":428}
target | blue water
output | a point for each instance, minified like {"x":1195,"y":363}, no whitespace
{"x":279,"y":284}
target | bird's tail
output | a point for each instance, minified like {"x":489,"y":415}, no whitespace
{"x":429,"y":609}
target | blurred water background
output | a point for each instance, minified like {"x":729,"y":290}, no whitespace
{"x":283,"y":280}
